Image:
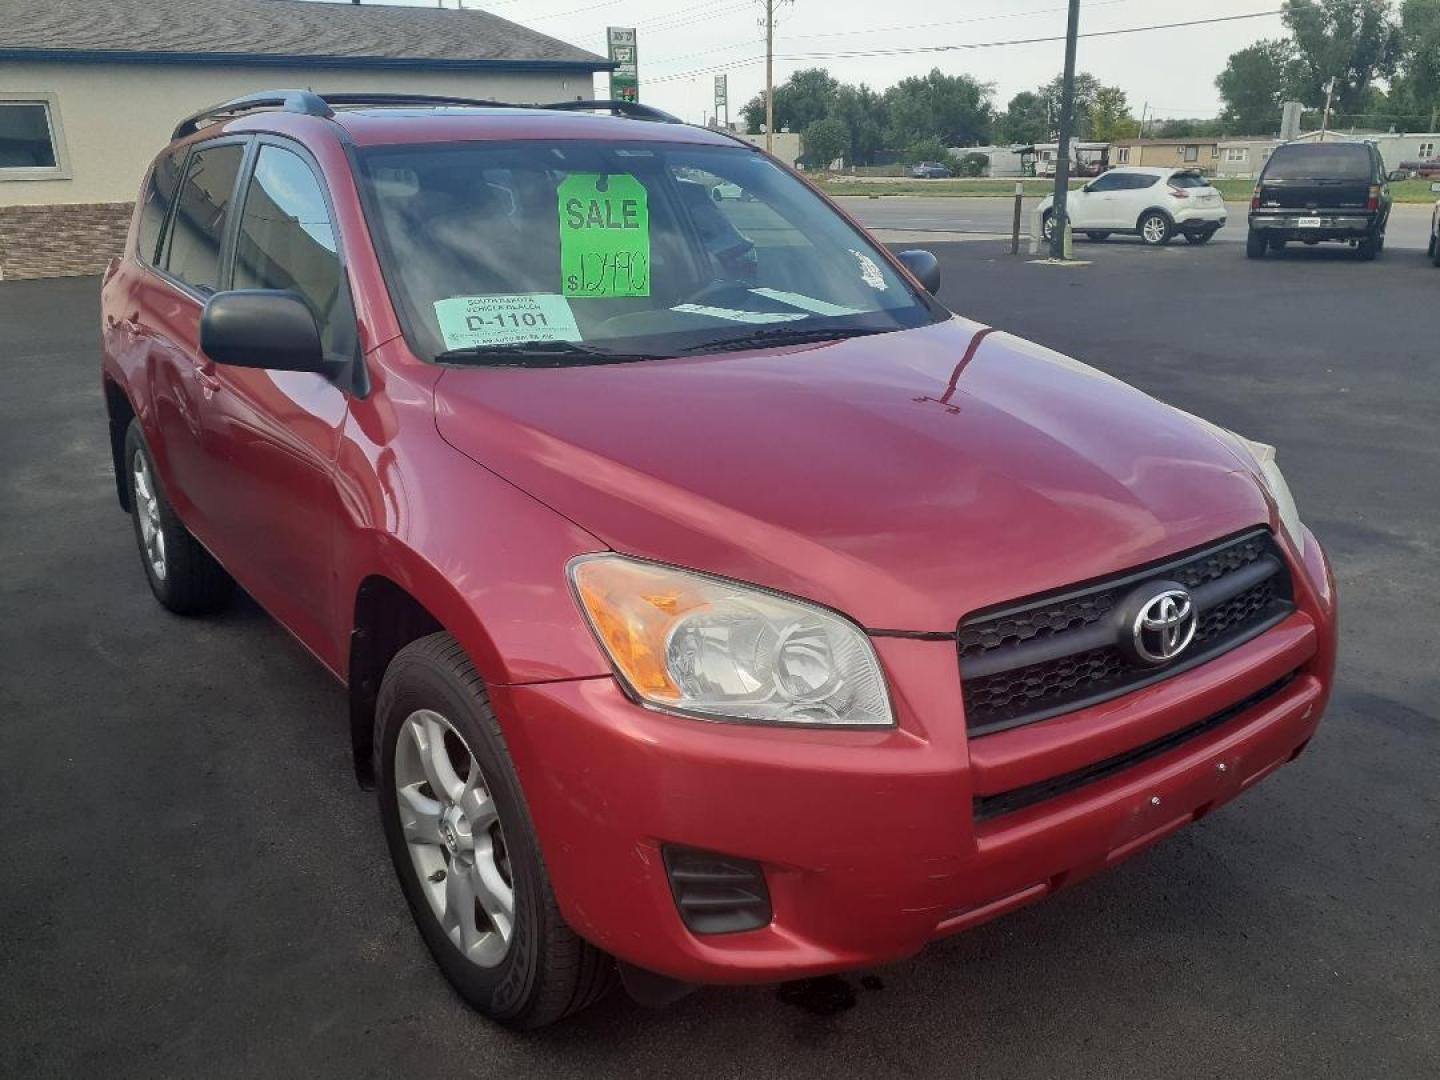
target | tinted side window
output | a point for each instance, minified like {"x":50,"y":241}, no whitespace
{"x":199,"y":223}
{"x":1142,"y":180}
{"x":1109,"y":182}
{"x":287,"y":241}
{"x":159,"y":197}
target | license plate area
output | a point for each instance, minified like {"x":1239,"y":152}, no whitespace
{"x":1307,"y":223}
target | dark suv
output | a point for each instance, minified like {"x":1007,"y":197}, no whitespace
{"x":1321,"y":191}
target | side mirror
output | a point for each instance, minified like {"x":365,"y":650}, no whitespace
{"x":263,"y":328}
{"x":924,"y":266}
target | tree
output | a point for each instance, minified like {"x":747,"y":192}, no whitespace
{"x":955,"y":109}
{"x":1256,"y":83}
{"x":1086,"y":87}
{"x":1190,"y":128}
{"x":1418,"y":90}
{"x":1110,"y":117}
{"x":1352,"y":41}
{"x":862,"y":112}
{"x":1025,"y":121}
{"x":823,"y":142}
{"x":930,"y":149}
{"x":808,"y":95}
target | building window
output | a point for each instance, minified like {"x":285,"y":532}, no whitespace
{"x":1237,"y":153}
{"x":1214,"y":151}
{"x":1122,"y":155}
{"x":31,"y":145}
{"x":1427,"y":151}
{"x":1192,"y":153}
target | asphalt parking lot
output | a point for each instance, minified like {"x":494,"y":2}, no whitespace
{"x":193,"y":885}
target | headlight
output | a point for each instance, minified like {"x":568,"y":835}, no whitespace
{"x":706,"y":647}
{"x":1263,"y":455}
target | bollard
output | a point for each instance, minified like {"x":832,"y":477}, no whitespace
{"x":1015,"y":226}
{"x":1069,"y":240}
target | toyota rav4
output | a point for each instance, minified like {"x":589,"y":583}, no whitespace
{"x":714,"y":605}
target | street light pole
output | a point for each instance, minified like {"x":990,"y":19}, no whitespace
{"x":769,"y":76}
{"x":1067,"y":127}
{"x":1329,"y":96}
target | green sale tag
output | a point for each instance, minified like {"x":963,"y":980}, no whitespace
{"x":604,"y":236}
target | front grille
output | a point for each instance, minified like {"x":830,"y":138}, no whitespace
{"x":1057,"y":653}
{"x":1007,"y":802}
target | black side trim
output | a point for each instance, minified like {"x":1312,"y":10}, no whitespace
{"x":986,"y":807}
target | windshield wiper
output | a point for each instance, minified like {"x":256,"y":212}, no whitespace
{"x":537,"y":354}
{"x":788,"y":335}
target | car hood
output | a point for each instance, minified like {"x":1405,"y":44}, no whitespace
{"x":905,"y":479}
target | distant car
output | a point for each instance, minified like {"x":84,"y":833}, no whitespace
{"x":1154,"y":204}
{"x":1321,"y":191}
{"x":1435,"y":229}
{"x":721,"y":192}
{"x":929,"y":170}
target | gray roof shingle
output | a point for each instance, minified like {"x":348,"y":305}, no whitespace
{"x":236,"y":30}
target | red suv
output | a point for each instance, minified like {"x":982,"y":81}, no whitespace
{"x":710,"y":598}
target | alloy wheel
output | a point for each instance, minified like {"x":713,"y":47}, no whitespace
{"x":147,"y":509}
{"x":1154,"y":229}
{"x":452,"y":829}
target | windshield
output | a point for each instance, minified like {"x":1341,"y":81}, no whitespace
{"x":521,"y":251}
{"x":1332,"y":161}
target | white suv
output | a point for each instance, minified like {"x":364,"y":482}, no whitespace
{"x":1153,"y":204}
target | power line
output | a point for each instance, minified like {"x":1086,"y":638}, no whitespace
{"x":931,"y":49}
{"x":892,"y":29}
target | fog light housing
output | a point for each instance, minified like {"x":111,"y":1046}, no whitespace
{"x":717,"y":894}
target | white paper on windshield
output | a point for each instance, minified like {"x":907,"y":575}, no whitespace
{"x":735,"y":315}
{"x":805,"y":303}
{"x":477,"y":321}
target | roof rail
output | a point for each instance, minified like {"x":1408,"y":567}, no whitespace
{"x":296,"y":101}
{"x":631,"y":109}
{"x":308,"y":103}
{"x":415,"y":99}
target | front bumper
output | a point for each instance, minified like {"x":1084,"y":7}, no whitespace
{"x":869,"y":840}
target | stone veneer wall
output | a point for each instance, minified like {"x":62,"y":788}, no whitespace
{"x":61,"y":241}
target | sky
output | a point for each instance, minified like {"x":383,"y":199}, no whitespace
{"x":683,"y":44}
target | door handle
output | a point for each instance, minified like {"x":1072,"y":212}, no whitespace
{"x":206,"y":377}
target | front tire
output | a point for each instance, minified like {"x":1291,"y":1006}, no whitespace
{"x":1155,"y":229}
{"x":465,"y":849}
{"x":1047,"y":226}
{"x":184,"y":577}
{"x":1255,"y":245}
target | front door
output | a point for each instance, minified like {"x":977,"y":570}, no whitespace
{"x":274,"y":435}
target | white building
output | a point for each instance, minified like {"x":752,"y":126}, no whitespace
{"x":91,"y":89}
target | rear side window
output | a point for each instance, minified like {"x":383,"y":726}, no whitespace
{"x":286,"y":240}
{"x":159,"y":197}
{"x":1327,"y":161}
{"x":199,"y":223}
{"x":1136,"y":181}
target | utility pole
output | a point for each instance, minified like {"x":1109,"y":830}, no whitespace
{"x":769,"y":76}
{"x":1329,"y":95}
{"x":1067,"y":125}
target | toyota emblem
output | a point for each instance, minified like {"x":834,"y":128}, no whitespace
{"x":1164,"y":626}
